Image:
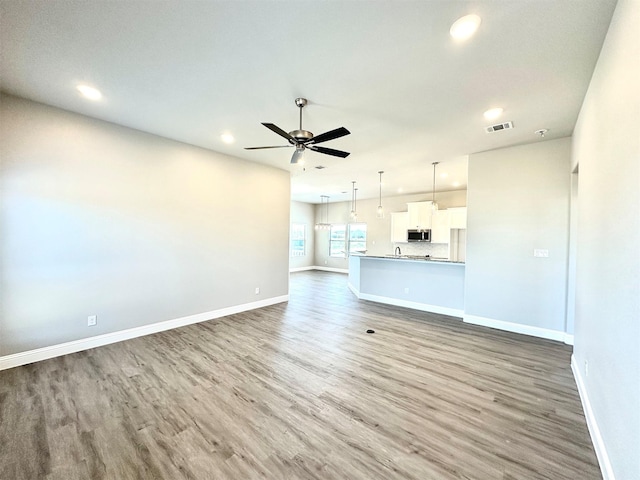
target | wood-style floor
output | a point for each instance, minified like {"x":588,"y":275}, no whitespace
{"x":299,"y":391}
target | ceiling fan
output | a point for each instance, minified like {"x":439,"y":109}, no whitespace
{"x":303,"y":139}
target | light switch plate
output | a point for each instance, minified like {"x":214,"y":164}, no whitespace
{"x":541,"y":252}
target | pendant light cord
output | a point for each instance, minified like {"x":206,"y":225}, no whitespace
{"x":355,"y":201}
{"x":433,"y":196}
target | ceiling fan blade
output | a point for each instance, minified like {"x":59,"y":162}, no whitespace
{"x":324,"y":137}
{"x":260,"y":148}
{"x":328,"y":151}
{"x":279,"y":131}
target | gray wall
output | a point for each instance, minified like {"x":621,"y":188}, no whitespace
{"x":607,"y":325}
{"x":304,"y":213}
{"x":137,"y":229}
{"x":518,"y":201}
{"x":378,"y":229}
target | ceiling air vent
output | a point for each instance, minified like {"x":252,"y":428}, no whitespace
{"x":320,"y":167}
{"x":499,"y":126}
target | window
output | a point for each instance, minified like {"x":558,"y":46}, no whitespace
{"x":338,"y":241}
{"x":357,"y":238}
{"x":297,"y":240}
{"x":347,"y":238}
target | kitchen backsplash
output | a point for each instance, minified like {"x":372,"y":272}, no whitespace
{"x":440,"y":250}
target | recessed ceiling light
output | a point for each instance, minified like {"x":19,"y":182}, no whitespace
{"x":89,"y":92}
{"x":456,"y":184}
{"x":400,"y":190}
{"x":227,"y":137}
{"x":465,"y":27}
{"x":444,"y":175}
{"x":493,"y":113}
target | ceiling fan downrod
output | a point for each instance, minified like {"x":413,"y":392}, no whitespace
{"x":301,"y":135}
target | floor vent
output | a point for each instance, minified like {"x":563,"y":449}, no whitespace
{"x":499,"y":126}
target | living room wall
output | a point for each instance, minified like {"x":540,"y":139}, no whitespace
{"x":99,"y":219}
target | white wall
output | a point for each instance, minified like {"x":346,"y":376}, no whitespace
{"x":606,"y":145}
{"x":137,"y":229}
{"x":304,"y":213}
{"x":518,"y":201}
{"x":378,"y":229}
{"x":573,"y":247}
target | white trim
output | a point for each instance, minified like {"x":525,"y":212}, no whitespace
{"x":353,"y":289}
{"x":44,"y":353}
{"x":301,"y":269}
{"x":332,"y":269}
{"x":316,"y":267}
{"x":516,"y":327}
{"x":568,"y":338}
{"x":592,"y":424}
{"x":425,"y":307}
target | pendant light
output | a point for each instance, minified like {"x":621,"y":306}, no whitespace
{"x":434,"y":205}
{"x":380,"y":213}
{"x":324,"y":205}
{"x":354,"y":214}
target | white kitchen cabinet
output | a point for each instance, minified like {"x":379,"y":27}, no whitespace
{"x":458,"y":217}
{"x":399,"y":227}
{"x":440,"y":226}
{"x":419,"y":215}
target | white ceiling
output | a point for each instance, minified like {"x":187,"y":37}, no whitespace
{"x":386,"y":70}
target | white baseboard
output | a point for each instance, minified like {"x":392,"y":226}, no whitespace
{"x":44,"y":353}
{"x":516,"y":328}
{"x":425,"y":307}
{"x":332,"y":269}
{"x":353,"y":289}
{"x":568,"y":339}
{"x":316,"y":267}
{"x":594,"y":431}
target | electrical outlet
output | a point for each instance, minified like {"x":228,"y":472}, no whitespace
{"x":586,"y":368}
{"x":92,"y":320}
{"x":406,"y":290}
{"x":325,"y":262}
{"x":257,"y":290}
{"x":541,"y":252}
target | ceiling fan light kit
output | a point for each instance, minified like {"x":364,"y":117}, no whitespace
{"x":303,"y":139}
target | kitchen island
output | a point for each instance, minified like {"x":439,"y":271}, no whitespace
{"x":414,"y":282}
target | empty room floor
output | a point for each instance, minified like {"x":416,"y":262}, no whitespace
{"x":299,"y":390}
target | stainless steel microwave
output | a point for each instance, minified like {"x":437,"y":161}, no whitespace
{"x":419,"y":235}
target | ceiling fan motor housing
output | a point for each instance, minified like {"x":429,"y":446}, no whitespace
{"x":301,"y":135}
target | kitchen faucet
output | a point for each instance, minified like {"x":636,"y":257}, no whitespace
{"x":398,"y":251}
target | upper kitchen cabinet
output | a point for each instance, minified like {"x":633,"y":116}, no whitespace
{"x":440,"y":226}
{"x":399,"y":227}
{"x":458,"y":217}
{"x":419,"y":215}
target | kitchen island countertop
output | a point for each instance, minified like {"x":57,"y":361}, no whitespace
{"x":416,"y":258}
